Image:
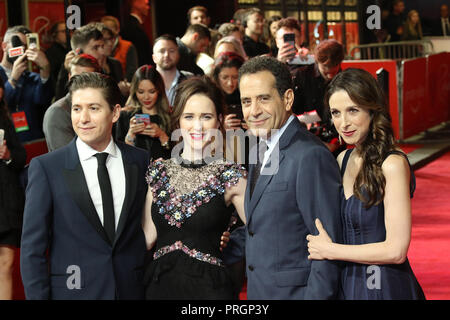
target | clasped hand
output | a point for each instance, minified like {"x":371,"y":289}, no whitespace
{"x":319,"y":245}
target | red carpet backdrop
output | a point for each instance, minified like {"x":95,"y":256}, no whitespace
{"x":429,"y":252}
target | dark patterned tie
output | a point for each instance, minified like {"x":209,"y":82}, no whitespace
{"x":107,"y":197}
{"x":262,"y":148}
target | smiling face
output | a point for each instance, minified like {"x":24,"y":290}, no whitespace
{"x":147,"y":95}
{"x":351,"y":121}
{"x":92,"y":117}
{"x":262,"y":106}
{"x":198,"y":118}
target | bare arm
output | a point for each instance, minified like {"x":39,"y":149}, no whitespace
{"x":397,"y":207}
{"x":147,"y":222}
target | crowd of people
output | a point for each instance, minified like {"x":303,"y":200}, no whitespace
{"x":401,"y":25}
{"x":140,"y":197}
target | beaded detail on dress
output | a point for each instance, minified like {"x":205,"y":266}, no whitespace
{"x":172,"y":185}
{"x":193,"y":253}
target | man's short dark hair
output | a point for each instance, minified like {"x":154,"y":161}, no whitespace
{"x":167,"y":37}
{"x":13,"y":31}
{"x":95,"y":80}
{"x":196,"y":8}
{"x":290,"y":23}
{"x":83,"y":35}
{"x":248,"y":13}
{"x":283,"y":78}
{"x":329,"y":52}
{"x":201,"y":29}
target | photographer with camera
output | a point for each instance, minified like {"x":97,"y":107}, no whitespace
{"x":27,"y":93}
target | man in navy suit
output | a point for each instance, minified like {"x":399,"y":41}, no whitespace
{"x":296,"y":182}
{"x":79,"y":241}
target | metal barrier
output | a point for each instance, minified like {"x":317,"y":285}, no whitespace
{"x":392,"y":50}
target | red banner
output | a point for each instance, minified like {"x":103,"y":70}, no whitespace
{"x":438,"y":87}
{"x":415,"y":97}
{"x":42,"y":15}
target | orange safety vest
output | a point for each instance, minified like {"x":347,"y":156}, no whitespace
{"x":120,"y":53}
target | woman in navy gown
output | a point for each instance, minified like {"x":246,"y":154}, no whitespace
{"x":377,"y":185}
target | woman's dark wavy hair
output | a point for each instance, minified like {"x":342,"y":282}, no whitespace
{"x":365,"y":92}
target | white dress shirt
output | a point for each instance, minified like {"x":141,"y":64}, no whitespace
{"x":116,"y":172}
{"x":273,"y":141}
{"x":445,"y":26}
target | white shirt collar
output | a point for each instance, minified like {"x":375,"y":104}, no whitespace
{"x":273,"y":139}
{"x":85,"y":151}
{"x":137,"y":17}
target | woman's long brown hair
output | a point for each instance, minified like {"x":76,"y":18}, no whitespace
{"x":364,"y":91}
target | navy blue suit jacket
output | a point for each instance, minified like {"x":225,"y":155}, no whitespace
{"x":282,"y":212}
{"x":60,"y":218}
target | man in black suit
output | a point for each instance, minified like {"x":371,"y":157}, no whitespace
{"x":442,"y":25}
{"x":134,"y":32}
{"x":84,"y":206}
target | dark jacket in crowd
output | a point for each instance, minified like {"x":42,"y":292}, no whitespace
{"x":133,"y":31}
{"x":31,"y":96}
{"x":12,"y":195}
{"x":253,"y":48}
{"x":188,"y":60}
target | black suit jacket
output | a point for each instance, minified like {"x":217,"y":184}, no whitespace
{"x":60,"y":217}
{"x":133,"y":31}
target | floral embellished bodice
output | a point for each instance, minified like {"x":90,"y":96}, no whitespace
{"x":189,"y":210}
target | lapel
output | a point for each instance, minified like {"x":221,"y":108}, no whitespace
{"x":131,"y":182}
{"x":264,"y":180}
{"x":76,"y":183}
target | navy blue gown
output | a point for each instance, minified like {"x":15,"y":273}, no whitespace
{"x":373,"y":282}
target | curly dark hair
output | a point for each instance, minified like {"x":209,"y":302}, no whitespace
{"x":283,"y":78}
{"x":365,"y":92}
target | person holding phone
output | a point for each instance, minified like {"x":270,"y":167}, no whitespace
{"x":27,"y":94}
{"x":288,"y":39}
{"x":145,"y":120}
{"x":12,"y":161}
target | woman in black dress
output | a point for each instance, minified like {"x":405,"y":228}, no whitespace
{"x":12,"y":161}
{"x":377,"y":185}
{"x":190,"y":201}
{"x":147,"y":99}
